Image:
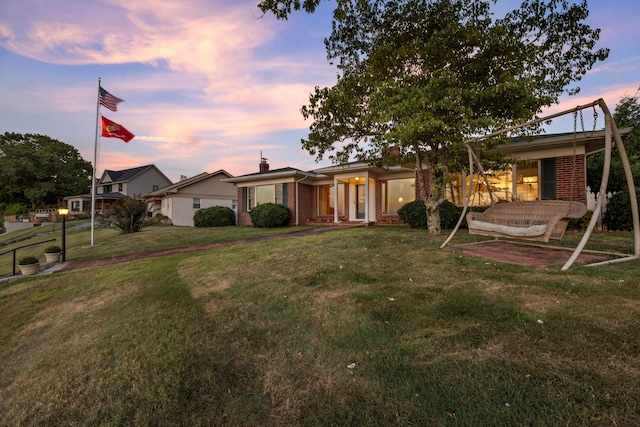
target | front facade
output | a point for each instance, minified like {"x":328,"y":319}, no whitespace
{"x":180,"y":201}
{"x":547,"y":167}
{"x":114,"y":185}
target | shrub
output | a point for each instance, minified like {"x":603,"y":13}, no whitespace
{"x":28,"y":260}
{"x":618,"y":214}
{"x":270,"y":215}
{"x":216,"y":216}
{"x":580,"y":224}
{"x":53,"y":249}
{"x":129,"y":214}
{"x":15,"y":209}
{"x":414,"y":214}
{"x":449,"y":215}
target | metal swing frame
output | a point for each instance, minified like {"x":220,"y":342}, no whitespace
{"x":611,"y":132}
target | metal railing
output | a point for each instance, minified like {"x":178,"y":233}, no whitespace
{"x":14,"y":250}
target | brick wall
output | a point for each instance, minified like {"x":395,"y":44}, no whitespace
{"x":571,"y":183}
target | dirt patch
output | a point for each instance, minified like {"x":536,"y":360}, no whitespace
{"x":512,"y":253}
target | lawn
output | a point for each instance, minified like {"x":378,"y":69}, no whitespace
{"x":365,"y":326}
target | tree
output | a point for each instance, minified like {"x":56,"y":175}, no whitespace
{"x":627,"y":114}
{"x":425,"y":76}
{"x":40,"y":170}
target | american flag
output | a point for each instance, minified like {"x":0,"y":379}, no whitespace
{"x":108,"y":100}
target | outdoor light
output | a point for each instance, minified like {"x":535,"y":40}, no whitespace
{"x":63,"y":212}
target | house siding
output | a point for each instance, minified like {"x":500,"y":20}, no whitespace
{"x":571,"y":182}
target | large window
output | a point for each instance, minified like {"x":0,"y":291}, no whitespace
{"x":326,"y":199}
{"x":396,"y":193}
{"x":519,"y":182}
{"x":272,"y":193}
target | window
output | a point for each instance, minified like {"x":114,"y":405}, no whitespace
{"x":518,"y":182}
{"x":396,"y":193}
{"x":75,"y":206}
{"x":326,"y":199}
{"x":272,"y":193}
{"x":120,"y":187}
{"x":196,"y":203}
{"x":106,"y":189}
{"x":527,"y":180}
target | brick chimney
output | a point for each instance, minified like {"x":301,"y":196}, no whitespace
{"x":264,"y":166}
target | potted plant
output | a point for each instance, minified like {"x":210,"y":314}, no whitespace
{"x":52,"y":253}
{"x":29,"y":265}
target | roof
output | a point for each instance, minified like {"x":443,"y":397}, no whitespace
{"x":592,"y":140}
{"x":128,"y":174}
{"x":173,"y":188}
{"x":275,"y":173}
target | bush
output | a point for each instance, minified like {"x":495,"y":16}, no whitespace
{"x":580,"y":224}
{"x":28,"y":260}
{"x":270,"y":215}
{"x":53,"y":249}
{"x":618,"y":214}
{"x":414,"y":214}
{"x":216,"y":216}
{"x":15,"y":209}
{"x":449,"y":215}
{"x":129,"y":214}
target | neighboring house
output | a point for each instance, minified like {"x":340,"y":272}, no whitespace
{"x":115,"y":185}
{"x":180,"y":201}
{"x":547,"y":167}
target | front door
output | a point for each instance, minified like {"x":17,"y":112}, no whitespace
{"x":360,"y":201}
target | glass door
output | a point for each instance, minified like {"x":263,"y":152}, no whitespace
{"x":360,"y":201}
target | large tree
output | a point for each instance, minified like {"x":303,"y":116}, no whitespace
{"x":39,"y":170}
{"x":424,"y":76}
{"x":627,"y":114}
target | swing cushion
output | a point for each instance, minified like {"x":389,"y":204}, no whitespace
{"x":538,"y":220}
{"x":530,"y":231}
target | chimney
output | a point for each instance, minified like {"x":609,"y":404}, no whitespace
{"x":264,"y":166}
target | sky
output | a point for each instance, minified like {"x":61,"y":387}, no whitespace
{"x":208,"y":84}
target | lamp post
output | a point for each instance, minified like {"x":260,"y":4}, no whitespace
{"x":63,"y":212}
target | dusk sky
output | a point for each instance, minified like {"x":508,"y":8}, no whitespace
{"x":207,"y":84}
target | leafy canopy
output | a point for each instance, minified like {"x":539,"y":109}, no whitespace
{"x":424,"y":76}
{"x":40,"y":170}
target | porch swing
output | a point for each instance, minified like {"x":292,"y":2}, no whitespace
{"x":543,"y":220}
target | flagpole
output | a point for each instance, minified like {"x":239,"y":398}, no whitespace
{"x":95,"y":163}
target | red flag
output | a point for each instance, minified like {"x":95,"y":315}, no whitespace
{"x":113,"y":130}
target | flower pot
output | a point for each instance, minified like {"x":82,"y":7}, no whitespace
{"x":52,"y":256}
{"x":29,"y":269}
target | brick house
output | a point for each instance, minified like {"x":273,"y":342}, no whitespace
{"x":547,"y":167}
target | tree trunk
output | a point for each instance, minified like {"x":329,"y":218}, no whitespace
{"x":431,"y":203}
{"x":433,"y":220}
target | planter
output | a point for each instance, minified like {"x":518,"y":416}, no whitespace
{"x":52,"y":256}
{"x":29,"y":269}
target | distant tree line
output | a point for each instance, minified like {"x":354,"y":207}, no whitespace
{"x":38,"y":171}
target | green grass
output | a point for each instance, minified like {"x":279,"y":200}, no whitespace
{"x":109,"y":242}
{"x":368,"y":326}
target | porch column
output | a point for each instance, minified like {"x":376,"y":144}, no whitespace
{"x":366,"y":198}
{"x":335,"y":199}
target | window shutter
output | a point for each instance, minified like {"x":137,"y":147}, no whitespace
{"x":285,"y":194}
{"x":548,"y":172}
{"x":243,"y":202}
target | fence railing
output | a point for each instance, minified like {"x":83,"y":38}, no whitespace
{"x":14,"y":250}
